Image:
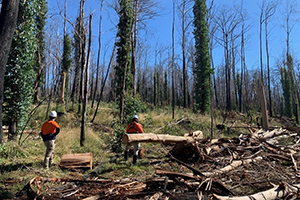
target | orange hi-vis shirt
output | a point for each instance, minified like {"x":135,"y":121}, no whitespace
{"x":49,"y":127}
{"x":134,"y":127}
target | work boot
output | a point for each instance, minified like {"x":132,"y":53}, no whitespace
{"x":51,"y":162}
{"x":134,"y":159}
{"x":46,"y":163}
{"x":125,"y":155}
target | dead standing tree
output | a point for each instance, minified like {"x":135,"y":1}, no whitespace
{"x":211,"y":11}
{"x":98,"y":56}
{"x":104,"y":81}
{"x":185,"y":9}
{"x":226,"y":22}
{"x":85,"y":88}
{"x":268,"y":9}
{"x":242,"y":86}
{"x":143,"y":10}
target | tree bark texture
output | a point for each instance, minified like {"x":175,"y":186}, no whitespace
{"x":85,"y":89}
{"x":8,"y":20}
{"x":151,"y":137}
{"x":98,"y":56}
{"x":263,"y":103}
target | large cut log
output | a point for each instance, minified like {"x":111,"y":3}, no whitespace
{"x":151,"y":137}
{"x":79,"y":160}
{"x":278,"y":192}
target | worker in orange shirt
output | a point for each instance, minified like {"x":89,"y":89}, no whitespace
{"x":50,"y":129}
{"x":133,"y":127}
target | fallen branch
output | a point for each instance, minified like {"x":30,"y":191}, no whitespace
{"x":270,"y":134}
{"x":156,"y":196}
{"x":171,"y":124}
{"x":280,"y":191}
{"x":232,"y":166}
{"x":195,"y":171}
{"x":216,"y":184}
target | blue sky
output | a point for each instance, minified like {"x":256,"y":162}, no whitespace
{"x":161,"y":28}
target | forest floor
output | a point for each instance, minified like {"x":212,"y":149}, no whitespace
{"x":240,"y":160}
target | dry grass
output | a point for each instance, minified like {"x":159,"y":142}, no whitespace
{"x":23,"y":163}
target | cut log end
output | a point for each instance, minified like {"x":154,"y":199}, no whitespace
{"x":80,"y":160}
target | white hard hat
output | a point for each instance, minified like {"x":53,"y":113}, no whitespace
{"x":53,"y":114}
{"x":135,"y":117}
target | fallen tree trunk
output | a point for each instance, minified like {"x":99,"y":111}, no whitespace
{"x":151,"y":137}
{"x":278,"y":192}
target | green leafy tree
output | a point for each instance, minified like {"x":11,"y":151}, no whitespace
{"x":156,"y":87}
{"x":290,"y":70}
{"x":202,"y":70}
{"x":77,"y":61}
{"x":66,"y":64}
{"x":123,"y":77}
{"x":134,"y":106}
{"x":42,"y":9}
{"x":166,"y":89}
{"x":287,"y":93}
{"x":19,"y":76}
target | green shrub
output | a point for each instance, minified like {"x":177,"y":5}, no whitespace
{"x":148,"y":121}
{"x":133,"y":106}
{"x":171,"y":130}
{"x":116,"y":141}
{"x":9,"y":152}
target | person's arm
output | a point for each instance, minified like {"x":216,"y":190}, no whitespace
{"x":140,"y":128}
{"x":57,"y":131}
{"x":127,"y":129}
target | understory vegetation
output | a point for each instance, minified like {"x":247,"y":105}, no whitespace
{"x":21,"y":160}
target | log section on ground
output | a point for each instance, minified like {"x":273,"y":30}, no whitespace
{"x":151,"y":137}
{"x":80,"y":160}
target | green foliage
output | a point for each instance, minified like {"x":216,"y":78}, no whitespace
{"x":133,"y":106}
{"x":112,"y":105}
{"x":116,"y":141}
{"x":287,"y":93}
{"x":171,"y":130}
{"x":19,"y":76}
{"x":192,"y":126}
{"x":156,"y":88}
{"x":166,"y":88}
{"x":202,"y":69}
{"x":148,"y":121}
{"x":124,"y":48}
{"x":10,"y":152}
{"x":286,"y":141}
{"x":5,"y":194}
{"x":251,"y":114}
{"x":66,"y":60}
{"x":42,"y":9}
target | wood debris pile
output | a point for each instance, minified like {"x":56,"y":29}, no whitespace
{"x":263,"y":165}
